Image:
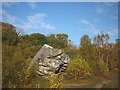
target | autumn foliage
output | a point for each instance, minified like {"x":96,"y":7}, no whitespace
{"x":89,"y":58}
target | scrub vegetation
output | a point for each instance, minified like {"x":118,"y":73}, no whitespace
{"x":91,"y":63}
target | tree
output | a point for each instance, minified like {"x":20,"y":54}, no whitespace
{"x":37,"y":39}
{"x":110,"y":55}
{"x":34,"y":39}
{"x":9,"y":34}
{"x":85,"y":48}
{"x":62,"y":40}
{"x":85,"y":41}
{"x":100,"y":39}
{"x":51,"y":40}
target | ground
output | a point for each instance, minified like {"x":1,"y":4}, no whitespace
{"x":92,"y":82}
{"x":96,"y":82}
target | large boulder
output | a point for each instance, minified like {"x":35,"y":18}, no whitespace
{"x":51,"y":60}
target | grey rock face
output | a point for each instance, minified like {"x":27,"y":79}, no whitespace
{"x":51,"y":60}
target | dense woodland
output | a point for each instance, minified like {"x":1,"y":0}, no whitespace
{"x":87,"y":60}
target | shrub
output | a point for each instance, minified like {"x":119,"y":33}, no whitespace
{"x":55,"y":81}
{"x":78,"y":69}
{"x":93,"y":66}
{"x":102,"y":67}
{"x":15,"y":68}
{"x":73,"y":53}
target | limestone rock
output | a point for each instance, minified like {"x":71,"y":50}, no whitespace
{"x":51,"y":60}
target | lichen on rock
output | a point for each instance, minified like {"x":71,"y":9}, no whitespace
{"x":51,"y":60}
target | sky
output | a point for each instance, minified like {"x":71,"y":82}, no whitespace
{"x":73,"y":18}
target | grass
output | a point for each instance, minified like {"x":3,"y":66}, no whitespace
{"x":113,"y":77}
{"x":91,"y":82}
{"x":88,"y":83}
{"x":72,"y":81}
{"x":39,"y":82}
{"x":95,"y":81}
{"x":108,"y":85}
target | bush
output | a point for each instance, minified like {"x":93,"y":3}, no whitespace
{"x":55,"y":81}
{"x":73,"y":53}
{"x":15,"y":68}
{"x":78,"y":69}
{"x":93,"y":66}
{"x":102,"y":67}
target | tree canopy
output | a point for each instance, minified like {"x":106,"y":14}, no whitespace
{"x":90,"y":58}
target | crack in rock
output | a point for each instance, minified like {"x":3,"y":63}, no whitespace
{"x":51,"y":60}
